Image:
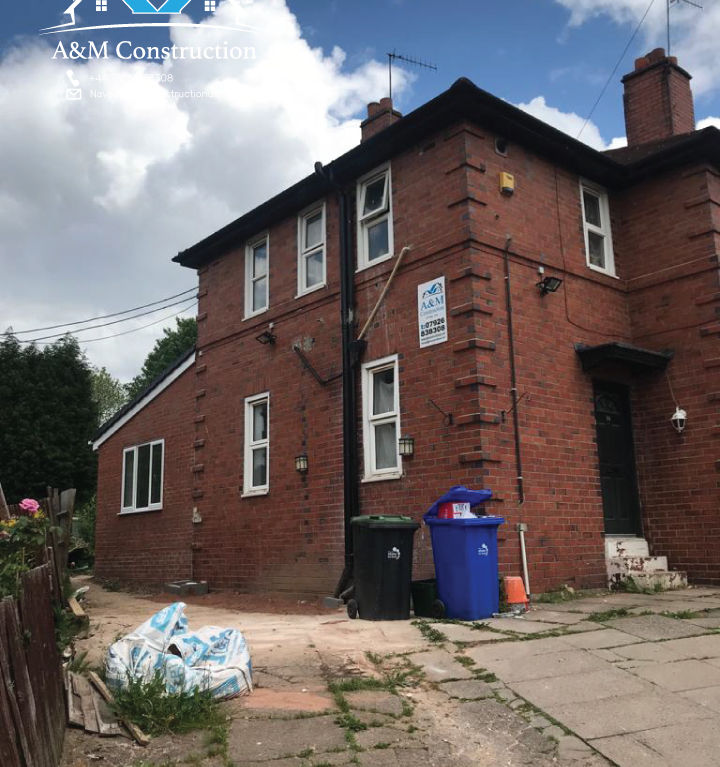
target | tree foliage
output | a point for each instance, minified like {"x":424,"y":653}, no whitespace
{"x":175,"y":342}
{"x":47,"y":417}
{"x":108,"y":393}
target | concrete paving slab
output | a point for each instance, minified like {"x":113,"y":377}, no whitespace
{"x":706,"y":623}
{"x":373,"y":736}
{"x":508,"y":650}
{"x":705,"y":696}
{"x":658,"y":652}
{"x":254,"y":740}
{"x":626,"y":751}
{"x":470,"y":689}
{"x":580,"y":688}
{"x":285,"y":700}
{"x":554,"y":616}
{"x":700,"y":743}
{"x":439,"y":666}
{"x":460,"y":632}
{"x":655,"y":627}
{"x":583,"y":627}
{"x":681,"y":675}
{"x":700,"y":647}
{"x":375,"y":700}
{"x":572,"y":749}
{"x":520,"y":625}
{"x":603,"y":639}
{"x":549,"y":665}
{"x":627,"y":713}
{"x":609,"y":655}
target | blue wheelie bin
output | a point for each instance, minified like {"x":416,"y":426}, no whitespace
{"x":466,"y":558}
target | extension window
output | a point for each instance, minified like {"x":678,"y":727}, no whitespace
{"x":143,"y":477}
{"x":374,"y":217}
{"x":311,"y":250}
{"x":596,"y":226}
{"x":256,"y":476}
{"x":381,"y":419}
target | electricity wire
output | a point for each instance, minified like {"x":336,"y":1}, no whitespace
{"x":102,"y":316}
{"x":615,"y":68}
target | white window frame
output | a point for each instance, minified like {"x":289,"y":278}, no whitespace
{"x":370,"y":421}
{"x":132,"y":508}
{"x":364,"y":221}
{"x":603,"y":231}
{"x":248,"y":488}
{"x":304,"y":252}
{"x":249,"y":279}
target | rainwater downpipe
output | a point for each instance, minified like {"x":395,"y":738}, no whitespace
{"x":522,"y":527}
{"x":351,"y":352}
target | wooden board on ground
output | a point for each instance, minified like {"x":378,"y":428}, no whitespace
{"x":81,"y":687}
{"x":134,"y":730}
{"x":74,"y":707}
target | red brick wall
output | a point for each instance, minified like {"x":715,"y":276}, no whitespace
{"x":149,"y":547}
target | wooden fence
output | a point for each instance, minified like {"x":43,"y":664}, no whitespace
{"x":32,"y":706}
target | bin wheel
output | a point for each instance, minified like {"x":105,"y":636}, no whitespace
{"x":352,"y":609}
{"x":438,"y":609}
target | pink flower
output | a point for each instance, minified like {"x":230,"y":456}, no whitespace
{"x":29,"y":506}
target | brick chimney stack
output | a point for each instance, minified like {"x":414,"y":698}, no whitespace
{"x":658,"y":100}
{"x":381,"y":115}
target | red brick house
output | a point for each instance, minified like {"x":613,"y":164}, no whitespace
{"x":560,"y":402}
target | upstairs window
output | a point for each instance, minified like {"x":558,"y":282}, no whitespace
{"x":311,"y":250}
{"x":374,"y":216}
{"x":256,"y":476}
{"x":256,"y":277}
{"x":143,"y":477}
{"x":381,"y":419}
{"x":596,"y":226}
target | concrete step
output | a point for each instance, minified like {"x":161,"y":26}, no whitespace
{"x":660,"y":580}
{"x":634,"y":565}
{"x":625,"y":546}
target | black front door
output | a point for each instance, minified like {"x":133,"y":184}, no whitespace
{"x":621,"y":507}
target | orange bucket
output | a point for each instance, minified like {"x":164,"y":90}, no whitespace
{"x":515,"y":591}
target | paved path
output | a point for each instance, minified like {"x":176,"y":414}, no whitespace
{"x":624,"y":679}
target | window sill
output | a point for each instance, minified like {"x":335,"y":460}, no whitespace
{"x":602,"y":271}
{"x":255,"y":314}
{"x":377,"y":261}
{"x":381,"y":477}
{"x":255,"y":493}
{"x":313,"y":289}
{"x":130,"y":512}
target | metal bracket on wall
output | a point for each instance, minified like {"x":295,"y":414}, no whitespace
{"x":447,"y":417}
{"x":505,"y":413}
{"x":308,"y":366}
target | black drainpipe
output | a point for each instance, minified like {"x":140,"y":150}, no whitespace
{"x":513,"y":375}
{"x":351,"y":352}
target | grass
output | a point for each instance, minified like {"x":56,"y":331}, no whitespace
{"x":430,"y":632}
{"x":156,"y":712}
{"x":465,"y":661}
{"x":682,"y":614}
{"x":79,"y":664}
{"x":564,"y":594}
{"x":608,"y":615}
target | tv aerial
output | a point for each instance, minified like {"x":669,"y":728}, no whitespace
{"x":676,"y":2}
{"x":408,"y":60}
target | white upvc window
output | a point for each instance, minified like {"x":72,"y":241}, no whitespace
{"x":311,"y":250}
{"x":256,"y":476}
{"x":596,"y":227}
{"x":143,"y":467}
{"x":374,"y":217}
{"x":381,"y":419}
{"x":257,"y":255}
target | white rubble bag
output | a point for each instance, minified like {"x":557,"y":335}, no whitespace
{"x":211,"y":658}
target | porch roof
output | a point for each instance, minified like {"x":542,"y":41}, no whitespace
{"x":637,"y":359}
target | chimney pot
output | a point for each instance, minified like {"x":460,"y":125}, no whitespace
{"x":380,"y":116}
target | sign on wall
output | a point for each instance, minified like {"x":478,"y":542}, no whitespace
{"x":432,"y":314}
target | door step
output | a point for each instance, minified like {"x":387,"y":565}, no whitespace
{"x":629,"y":564}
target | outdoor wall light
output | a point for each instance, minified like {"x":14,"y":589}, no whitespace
{"x":301,"y":463}
{"x":267,"y":336}
{"x":549,"y":285}
{"x":406,"y":446}
{"x":679,"y":419}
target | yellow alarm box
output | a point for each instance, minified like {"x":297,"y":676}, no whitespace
{"x":507,"y":183}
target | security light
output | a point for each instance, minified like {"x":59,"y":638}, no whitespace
{"x":549,"y":285}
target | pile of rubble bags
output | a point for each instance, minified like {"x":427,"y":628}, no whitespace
{"x":211,"y":658}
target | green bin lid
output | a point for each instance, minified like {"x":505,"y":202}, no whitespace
{"x":389,"y":520}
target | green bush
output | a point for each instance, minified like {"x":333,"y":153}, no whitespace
{"x":85,"y":527}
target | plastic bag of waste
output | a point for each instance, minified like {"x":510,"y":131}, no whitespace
{"x":212,"y":658}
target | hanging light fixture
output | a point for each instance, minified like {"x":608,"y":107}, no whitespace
{"x":301,"y":463}
{"x":406,"y":446}
{"x":679,"y":419}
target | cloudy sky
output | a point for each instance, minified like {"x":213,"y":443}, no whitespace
{"x":98,"y":194}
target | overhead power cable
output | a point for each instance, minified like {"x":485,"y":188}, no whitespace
{"x":102,"y":316}
{"x":114,"y":322}
{"x":134,"y":330}
{"x":615,"y":68}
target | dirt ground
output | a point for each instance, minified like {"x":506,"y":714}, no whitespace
{"x":441,"y":712}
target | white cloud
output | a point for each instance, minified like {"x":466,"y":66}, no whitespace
{"x":694,"y":32}
{"x":708,"y":122}
{"x":570,"y":123}
{"x":97,"y":195}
